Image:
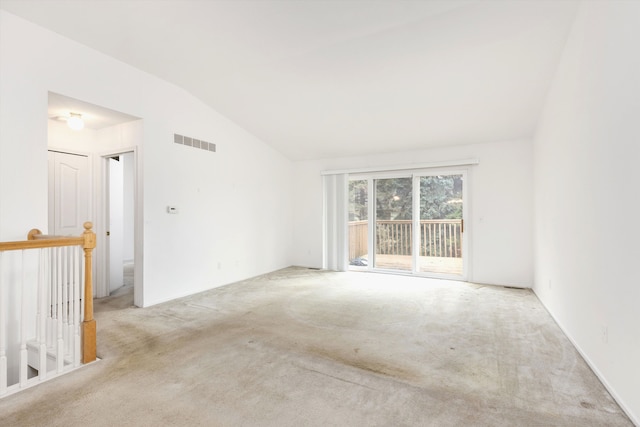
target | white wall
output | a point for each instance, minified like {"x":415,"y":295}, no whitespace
{"x":500,"y":203}
{"x":586,"y":155}
{"x":235,"y":205}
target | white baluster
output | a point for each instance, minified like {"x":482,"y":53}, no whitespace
{"x":65,"y":300}
{"x":3,"y":337}
{"x":23,"y":326}
{"x":51,"y":308}
{"x":72,"y":322}
{"x":70,"y":344}
{"x":69,"y":330}
{"x":59,"y":315}
{"x":77,"y":285}
{"x":42,"y":313}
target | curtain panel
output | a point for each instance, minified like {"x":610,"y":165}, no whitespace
{"x":335,"y":244}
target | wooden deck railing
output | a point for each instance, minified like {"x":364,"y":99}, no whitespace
{"x":438,"y":238}
{"x":46,"y":308}
{"x":358,"y":238}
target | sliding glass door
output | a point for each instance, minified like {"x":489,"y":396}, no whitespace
{"x":411,"y":224}
{"x":440,"y":226}
{"x":358,"y":223}
{"x":393,"y":230}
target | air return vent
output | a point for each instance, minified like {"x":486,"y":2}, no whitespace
{"x":195,"y":143}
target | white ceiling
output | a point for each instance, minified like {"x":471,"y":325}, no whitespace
{"x":333,"y":78}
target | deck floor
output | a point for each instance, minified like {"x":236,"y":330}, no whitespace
{"x":440,"y":265}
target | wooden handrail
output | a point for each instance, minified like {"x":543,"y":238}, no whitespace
{"x":41,"y":242}
{"x":88,"y":242}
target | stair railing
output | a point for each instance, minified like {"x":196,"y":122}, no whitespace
{"x":54,"y":329}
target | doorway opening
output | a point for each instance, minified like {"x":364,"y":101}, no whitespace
{"x":106,"y":134}
{"x":120,"y":221}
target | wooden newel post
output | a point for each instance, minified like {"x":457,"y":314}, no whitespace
{"x":33,"y":233}
{"x":89,"y":324}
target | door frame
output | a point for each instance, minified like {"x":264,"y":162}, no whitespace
{"x":103,"y":221}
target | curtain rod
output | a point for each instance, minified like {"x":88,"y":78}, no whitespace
{"x":466,"y":162}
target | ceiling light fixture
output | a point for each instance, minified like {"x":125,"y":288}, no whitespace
{"x":75,"y":121}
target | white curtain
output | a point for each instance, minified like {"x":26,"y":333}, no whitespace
{"x":336,"y":199}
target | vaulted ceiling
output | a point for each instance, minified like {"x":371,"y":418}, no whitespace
{"x":336,"y":78}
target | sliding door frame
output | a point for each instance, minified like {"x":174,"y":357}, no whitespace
{"x":415,"y":175}
{"x":464,"y":234}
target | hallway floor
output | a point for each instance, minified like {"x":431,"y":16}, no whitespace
{"x":300,"y":347}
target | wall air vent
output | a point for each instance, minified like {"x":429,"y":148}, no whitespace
{"x":195,"y":143}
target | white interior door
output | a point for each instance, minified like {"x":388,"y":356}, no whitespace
{"x":68,"y":193}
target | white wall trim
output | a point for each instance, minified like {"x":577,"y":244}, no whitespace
{"x":449,"y":163}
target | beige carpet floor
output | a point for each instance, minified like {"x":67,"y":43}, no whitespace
{"x":299,"y":347}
